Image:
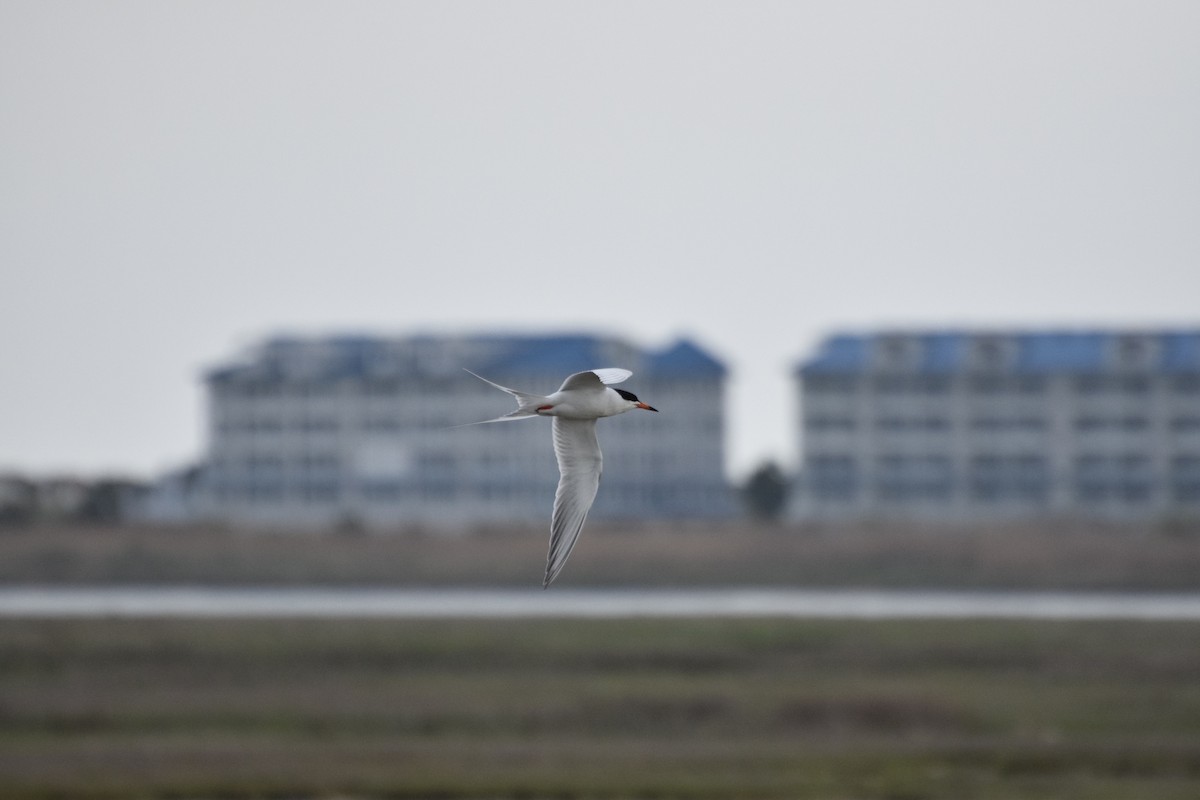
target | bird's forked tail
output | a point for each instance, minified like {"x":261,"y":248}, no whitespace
{"x":527,"y":404}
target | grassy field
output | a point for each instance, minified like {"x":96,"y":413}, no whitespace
{"x":599,"y":709}
{"x":1062,"y":556}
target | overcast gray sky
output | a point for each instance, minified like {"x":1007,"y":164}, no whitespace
{"x":179,"y":179}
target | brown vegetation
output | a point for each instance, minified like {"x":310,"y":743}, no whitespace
{"x":1063,"y":556}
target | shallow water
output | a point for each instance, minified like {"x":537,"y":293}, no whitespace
{"x":51,"y":602}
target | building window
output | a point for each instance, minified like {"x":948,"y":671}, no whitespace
{"x":439,"y":492}
{"x":382,"y":491}
{"x":895,"y":424}
{"x":902,"y":491}
{"x":1100,"y":384}
{"x":319,"y":462}
{"x":318,"y":424}
{"x":261,"y":463}
{"x":1092,"y":384}
{"x":897,"y":351}
{"x":1024,"y":462}
{"x":318,"y":493}
{"x":830,"y":384}
{"x":1186,"y":492}
{"x":923,"y":385}
{"x":831,"y":477}
{"x":989,"y":352}
{"x":987,"y":386}
{"x":1000,"y":491}
{"x":832,"y":462}
{"x":265,"y":494}
{"x":1135,"y":386}
{"x":1133,"y":462}
{"x":1090,"y":492}
{"x":1135,"y":492}
{"x":438,"y":466}
{"x":830,"y":490}
{"x":381,"y":424}
{"x":1187,"y":384}
{"x":1134,"y":351}
{"x":996,"y":424}
{"x":932,"y":386}
{"x":890,"y":384}
{"x":1186,"y":463}
{"x":382,"y":388}
{"x":825,"y":423}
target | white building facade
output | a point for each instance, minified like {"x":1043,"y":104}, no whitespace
{"x":361,"y":430}
{"x":978,"y":425}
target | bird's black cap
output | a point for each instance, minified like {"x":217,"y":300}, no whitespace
{"x":631,"y":397}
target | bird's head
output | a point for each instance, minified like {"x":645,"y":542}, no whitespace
{"x":631,"y":398}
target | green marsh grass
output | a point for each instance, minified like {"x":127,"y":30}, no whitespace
{"x":693,"y":708}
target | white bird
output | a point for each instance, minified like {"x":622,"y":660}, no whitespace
{"x":582,"y":399}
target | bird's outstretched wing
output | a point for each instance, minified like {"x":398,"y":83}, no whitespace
{"x":595,"y":378}
{"x":579,"y":467}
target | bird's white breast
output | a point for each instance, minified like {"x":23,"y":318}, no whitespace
{"x":577,"y":404}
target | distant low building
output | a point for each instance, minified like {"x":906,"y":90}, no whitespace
{"x":18,"y":500}
{"x":973,"y":425}
{"x":360,"y":431}
{"x":175,"y":497}
{"x":64,"y":499}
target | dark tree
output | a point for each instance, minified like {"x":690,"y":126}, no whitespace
{"x":18,"y":501}
{"x":765,"y":492}
{"x":107,"y":501}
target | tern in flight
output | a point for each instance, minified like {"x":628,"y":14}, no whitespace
{"x":582,"y":399}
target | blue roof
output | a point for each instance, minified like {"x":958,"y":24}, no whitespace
{"x":840,"y":353}
{"x":942,"y":351}
{"x":558,"y":355}
{"x":355,"y":357}
{"x":1030,"y":352}
{"x":1064,"y":352}
{"x":1180,"y":351}
{"x":684,"y":358}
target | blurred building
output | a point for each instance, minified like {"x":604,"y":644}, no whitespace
{"x":27,"y":500}
{"x":360,"y":430}
{"x":18,"y":500}
{"x":175,"y":497}
{"x":985,"y":425}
